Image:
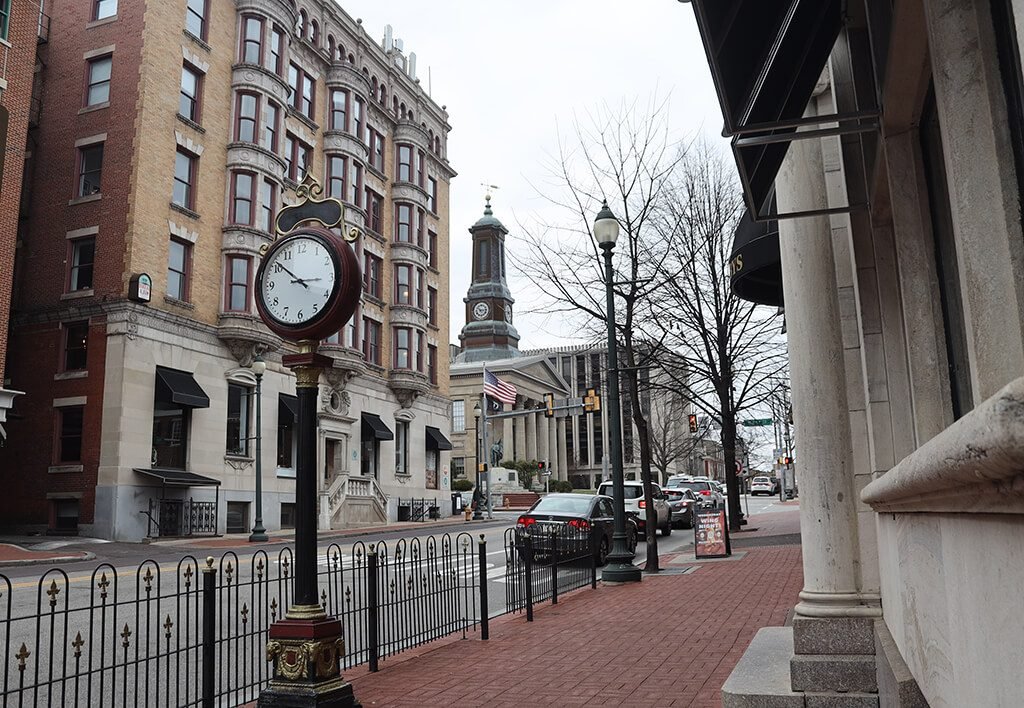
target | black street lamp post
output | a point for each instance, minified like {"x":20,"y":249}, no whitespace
{"x":259,"y":533}
{"x":620,"y":568}
{"x":478,"y":499}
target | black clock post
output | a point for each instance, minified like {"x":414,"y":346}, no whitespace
{"x":306,"y":645}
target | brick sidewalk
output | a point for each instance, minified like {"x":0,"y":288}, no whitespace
{"x":669,"y":641}
{"x":11,"y":554}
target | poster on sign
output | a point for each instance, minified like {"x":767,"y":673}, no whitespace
{"x":711,"y":535}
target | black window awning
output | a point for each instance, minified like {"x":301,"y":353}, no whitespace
{"x":174,"y":386}
{"x":755,"y":263}
{"x":374,"y":427}
{"x":436,"y":439}
{"x":178,"y":478}
{"x":766,"y":58}
{"x":289,"y":405}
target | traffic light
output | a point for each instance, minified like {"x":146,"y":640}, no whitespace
{"x":693,"y":423}
{"x":481,"y":467}
{"x":540,"y":465}
{"x":592,"y":401}
{"x":549,"y":405}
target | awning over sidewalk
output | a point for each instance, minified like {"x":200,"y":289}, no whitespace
{"x":178,"y":478}
{"x":180,"y":387}
{"x":766,"y":57}
{"x":756,"y":265}
{"x":436,"y":439}
{"x":374,"y":427}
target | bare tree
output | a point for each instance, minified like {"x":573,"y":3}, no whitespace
{"x":624,"y":155}
{"x":723,"y":353}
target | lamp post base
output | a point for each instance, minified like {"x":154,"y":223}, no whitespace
{"x":620,"y":568}
{"x":306,"y":648}
{"x":258,"y":535}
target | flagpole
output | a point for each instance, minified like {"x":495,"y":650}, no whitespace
{"x":486,"y":450}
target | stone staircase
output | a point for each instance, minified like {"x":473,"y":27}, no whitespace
{"x":520,"y":500}
{"x":352,"y":501}
{"x":839,"y":662}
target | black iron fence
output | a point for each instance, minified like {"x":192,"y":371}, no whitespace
{"x":544,"y":561}
{"x":194,"y":633}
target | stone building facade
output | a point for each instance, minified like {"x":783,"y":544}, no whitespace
{"x":170,"y":135}
{"x":24,"y":32}
{"x":884,"y":153}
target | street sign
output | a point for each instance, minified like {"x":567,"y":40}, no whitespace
{"x":756,"y":422}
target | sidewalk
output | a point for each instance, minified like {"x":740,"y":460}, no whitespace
{"x":672,"y":640}
{"x":14,"y":555}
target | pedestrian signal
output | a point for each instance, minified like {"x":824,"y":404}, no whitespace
{"x":693,"y":423}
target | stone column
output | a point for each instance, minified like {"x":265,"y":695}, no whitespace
{"x":542,"y":436}
{"x":531,"y":435}
{"x":828,"y":513}
{"x":563,"y":455}
{"x":983,"y":188}
{"x":520,"y":433}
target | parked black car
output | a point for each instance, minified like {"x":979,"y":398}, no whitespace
{"x":583,"y":512}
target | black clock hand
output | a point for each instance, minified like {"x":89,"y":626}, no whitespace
{"x":297,"y":278}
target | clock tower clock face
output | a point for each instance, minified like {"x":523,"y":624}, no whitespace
{"x":299,"y":280}
{"x":508,"y":313}
{"x":481,"y":310}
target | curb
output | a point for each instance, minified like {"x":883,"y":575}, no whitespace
{"x":86,"y":556}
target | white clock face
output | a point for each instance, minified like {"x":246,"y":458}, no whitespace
{"x":298,"y":281}
{"x":508,"y":314}
{"x":481,"y":310}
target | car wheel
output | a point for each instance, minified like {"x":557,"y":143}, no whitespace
{"x":666,"y":530}
{"x":602,"y":551}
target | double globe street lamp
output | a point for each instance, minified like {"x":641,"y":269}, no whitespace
{"x":620,"y":568}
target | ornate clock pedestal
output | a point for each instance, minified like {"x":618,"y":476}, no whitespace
{"x":306,"y":646}
{"x":306,"y":652}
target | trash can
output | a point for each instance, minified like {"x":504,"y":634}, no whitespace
{"x":456,"y":504}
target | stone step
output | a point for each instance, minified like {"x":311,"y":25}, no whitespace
{"x":834,"y":635}
{"x":841,"y":700}
{"x":761,"y":678}
{"x":827,"y":673}
{"x":523,"y":500}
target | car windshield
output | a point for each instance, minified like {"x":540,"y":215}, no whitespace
{"x":696,"y":486}
{"x":761,"y":480}
{"x":628,"y":492}
{"x":567,"y":504}
{"x":675,"y":494}
{"x":674,"y":482}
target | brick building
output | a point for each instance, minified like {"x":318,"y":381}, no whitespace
{"x":22,"y":29}
{"x":170,"y":134}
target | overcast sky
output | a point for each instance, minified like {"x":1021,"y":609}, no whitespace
{"x":511,"y":72}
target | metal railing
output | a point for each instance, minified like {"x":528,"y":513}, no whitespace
{"x":194,"y":633}
{"x":542,"y":563}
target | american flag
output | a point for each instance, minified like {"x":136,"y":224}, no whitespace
{"x":498,"y":389}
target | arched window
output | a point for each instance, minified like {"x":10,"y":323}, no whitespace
{"x":394,"y":103}
{"x":373,"y":86}
{"x":401,"y":109}
{"x":431,"y":134}
{"x":351,"y":58}
{"x":341,"y":53}
{"x":330,"y":46}
{"x":437,"y":144}
{"x":314,"y":33}
{"x":383,"y":98}
{"x":300,"y":29}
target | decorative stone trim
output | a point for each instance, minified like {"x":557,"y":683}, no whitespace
{"x":85,"y":200}
{"x":181,"y":232}
{"x":99,"y":52}
{"x":84,"y":231}
{"x":91,"y":139}
{"x":65,"y":469}
{"x":976,"y":465}
{"x":70,"y":401}
{"x":69,"y":375}
{"x":183,"y":210}
{"x":194,"y":59}
{"x":188,"y":143}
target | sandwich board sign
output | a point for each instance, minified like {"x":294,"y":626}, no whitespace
{"x":711,"y":535}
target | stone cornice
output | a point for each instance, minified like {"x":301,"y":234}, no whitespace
{"x":975,"y":465}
